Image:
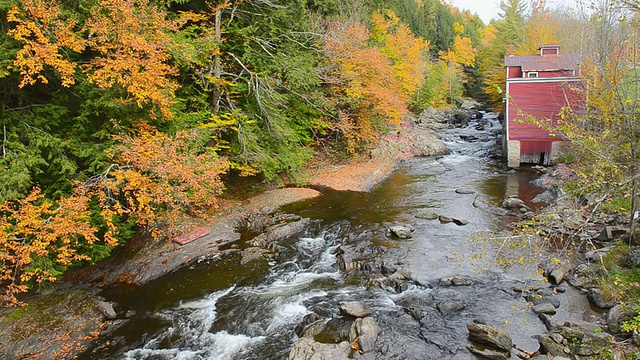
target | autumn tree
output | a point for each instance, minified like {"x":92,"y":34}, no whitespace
{"x":377,"y":71}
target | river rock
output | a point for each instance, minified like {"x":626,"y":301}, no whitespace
{"x":401,"y":231}
{"x":448,"y":307}
{"x":549,"y":321}
{"x":488,"y":353}
{"x":427,"y":215}
{"x":334,"y":331}
{"x":460,"y":221}
{"x":617,"y":315}
{"x":596,"y":297}
{"x":457,"y":280}
{"x":307,"y":320}
{"x":541,"y":296}
{"x":252,"y":254}
{"x":445,"y":219}
{"x":106,"y":308}
{"x":512,"y":203}
{"x":465,"y":191}
{"x":490,"y":336}
{"x":546,"y":197}
{"x":365,"y":331}
{"x":308,"y":349}
{"x":556,"y":270}
{"x":354,"y":308}
{"x":469,"y":105}
{"x":544,"y":308}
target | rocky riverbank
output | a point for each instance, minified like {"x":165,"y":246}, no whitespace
{"x":67,"y":319}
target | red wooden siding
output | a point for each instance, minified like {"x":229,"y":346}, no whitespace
{"x":550,"y":74}
{"x":515,"y":72}
{"x":543,"y":100}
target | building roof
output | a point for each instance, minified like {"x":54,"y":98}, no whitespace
{"x":543,"y":63}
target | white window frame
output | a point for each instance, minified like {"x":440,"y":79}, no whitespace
{"x":534,"y":73}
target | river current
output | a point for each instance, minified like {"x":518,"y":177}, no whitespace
{"x":218,"y":309}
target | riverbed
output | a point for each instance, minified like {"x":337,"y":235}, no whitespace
{"x":220,"y":309}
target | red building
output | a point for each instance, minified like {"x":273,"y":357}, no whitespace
{"x":538,"y":86}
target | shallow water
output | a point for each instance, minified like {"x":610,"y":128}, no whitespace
{"x":218,"y":309}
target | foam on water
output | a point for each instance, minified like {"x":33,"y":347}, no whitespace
{"x":191,"y":323}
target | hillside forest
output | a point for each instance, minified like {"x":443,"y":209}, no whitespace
{"x":125,"y":116}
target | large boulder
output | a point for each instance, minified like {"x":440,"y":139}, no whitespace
{"x":354,"y":309}
{"x":365,"y":331}
{"x":400,"y":231}
{"x":308,"y":349}
{"x":490,"y":336}
{"x":618,"y":315}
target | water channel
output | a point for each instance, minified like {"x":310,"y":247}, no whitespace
{"x":218,"y":309}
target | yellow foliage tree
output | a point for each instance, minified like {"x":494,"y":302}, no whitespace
{"x":38,"y":237}
{"x":158,"y":179}
{"x":377,"y":70}
{"x":45,"y":33}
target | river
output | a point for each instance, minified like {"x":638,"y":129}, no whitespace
{"x":218,"y":309}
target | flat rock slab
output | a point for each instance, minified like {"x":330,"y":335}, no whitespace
{"x":191,"y":236}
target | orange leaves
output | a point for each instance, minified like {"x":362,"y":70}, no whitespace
{"x":34,"y":231}
{"x":46,"y":33}
{"x":160,"y":179}
{"x":378,"y":80}
{"x":132,"y":37}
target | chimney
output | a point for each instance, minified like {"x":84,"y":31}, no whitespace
{"x":510,"y":50}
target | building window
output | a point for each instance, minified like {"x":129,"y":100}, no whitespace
{"x":533,"y":74}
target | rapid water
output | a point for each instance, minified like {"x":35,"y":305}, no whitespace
{"x":218,"y":309}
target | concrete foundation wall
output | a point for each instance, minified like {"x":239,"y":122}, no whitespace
{"x":513,"y":153}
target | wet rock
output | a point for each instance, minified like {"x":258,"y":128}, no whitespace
{"x":512,"y":203}
{"x":360,"y":256}
{"x":306,"y":321}
{"x":354,"y":309}
{"x":542,"y":296}
{"x":632,"y":258}
{"x":334,"y":331}
{"x":490,"y":336}
{"x":617,"y":315}
{"x":596,"y":297}
{"x":488,"y":353}
{"x":460,"y":221}
{"x":544,"y":308}
{"x":400,"y":231}
{"x":427,"y":215}
{"x":457,"y":280}
{"x":308,"y":349}
{"x":289,"y":230}
{"x":365,"y":331}
{"x":448,"y":307}
{"x":465,"y":191}
{"x":549,"y":321}
{"x":252,"y":254}
{"x":106,"y":308}
{"x":445,"y":219}
{"x":469,"y":105}
{"x":402,"y":274}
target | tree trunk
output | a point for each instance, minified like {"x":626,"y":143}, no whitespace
{"x":217,"y":66}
